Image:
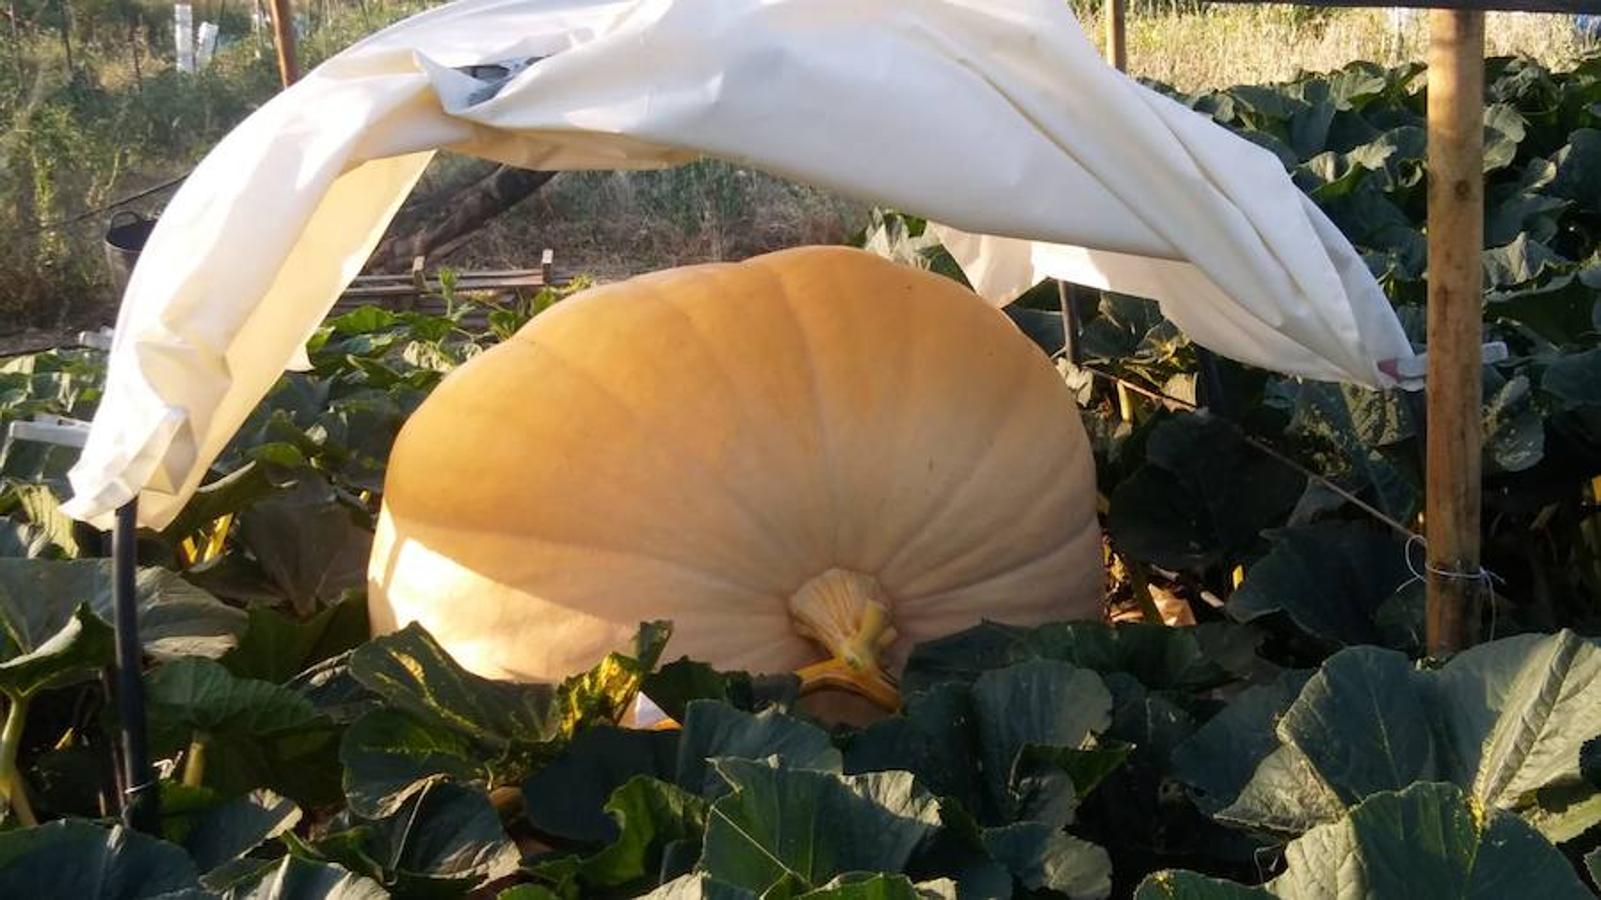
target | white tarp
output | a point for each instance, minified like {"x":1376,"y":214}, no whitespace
{"x":996,"y":117}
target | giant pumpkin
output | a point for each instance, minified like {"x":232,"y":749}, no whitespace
{"x":812,"y":455}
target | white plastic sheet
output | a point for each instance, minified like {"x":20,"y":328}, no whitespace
{"x":995,"y":117}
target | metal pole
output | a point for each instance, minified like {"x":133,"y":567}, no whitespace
{"x":1456,"y":326}
{"x":141,"y":802}
{"x":1072,"y":328}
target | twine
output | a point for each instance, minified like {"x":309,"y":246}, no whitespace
{"x":1486,"y":578}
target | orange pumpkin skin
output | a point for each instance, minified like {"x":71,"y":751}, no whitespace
{"x":702,"y":444}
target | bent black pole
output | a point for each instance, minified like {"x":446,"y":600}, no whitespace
{"x":141,"y":802}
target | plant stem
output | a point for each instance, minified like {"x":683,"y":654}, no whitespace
{"x":194,"y":761}
{"x":11,"y":783}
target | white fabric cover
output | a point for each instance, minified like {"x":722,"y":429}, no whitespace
{"x":995,"y":117}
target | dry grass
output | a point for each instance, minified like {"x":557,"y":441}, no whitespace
{"x":1228,"y":45}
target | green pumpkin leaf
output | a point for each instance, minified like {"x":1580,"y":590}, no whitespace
{"x":308,"y":544}
{"x":714,"y":730}
{"x":1218,"y":760}
{"x":292,"y":878}
{"x":1328,"y":579}
{"x":197,"y":695}
{"x":1044,"y":703}
{"x":879,"y":886}
{"x":1044,"y":858}
{"x":77,"y":858}
{"x":232,"y":829}
{"x":604,"y":694}
{"x":693,"y":886}
{"x":1429,"y":840}
{"x":445,"y":840}
{"x":935,"y":737}
{"x":1161,"y":657}
{"x":1505,"y":721}
{"x":805,"y":827}
{"x":39,"y":597}
{"x":1202,"y":496}
{"x":411,"y":672}
{"x":79,"y":649}
{"x":275,"y":647}
{"x":650,"y":815}
{"x":1177,"y":884}
{"x":565,"y":798}
{"x":389,"y":755}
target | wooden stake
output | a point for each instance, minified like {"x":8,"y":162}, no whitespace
{"x":283,"y":37}
{"x":1116,"y":39}
{"x":1455,"y":319}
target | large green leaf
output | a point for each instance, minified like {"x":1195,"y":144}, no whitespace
{"x":1160,"y":657}
{"x":293,"y":878}
{"x":232,"y":829}
{"x":1041,"y":703}
{"x":275,"y":647}
{"x":651,"y":815}
{"x":693,"y":886}
{"x":1218,"y":760}
{"x":935,"y":737}
{"x":1328,"y":579}
{"x":715,"y":730}
{"x":443,"y":722}
{"x":411,"y":672}
{"x":1517,"y":713}
{"x":1505,"y":721}
{"x":804,"y":828}
{"x":565,"y":798}
{"x":444,"y":841}
{"x":1369,"y":434}
{"x":76,"y":858}
{"x":1045,"y":858}
{"x":308,"y":543}
{"x":1513,"y":426}
{"x":1429,"y":840}
{"x":675,"y":684}
{"x":605,"y":693}
{"x":81,"y":647}
{"x":1202,"y":496}
{"x":1363,"y":723}
{"x":388,"y":755}
{"x":198,"y":695}
{"x":38,"y":597}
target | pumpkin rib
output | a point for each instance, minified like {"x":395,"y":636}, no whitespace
{"x":930,"y":600}
{"x":724,"y":581}
{"x":819,"y":409}
{"x":733,"y":384}
{"x":1038,"y":502}
{"x":704,"y":470}
{"x":932,"y":518}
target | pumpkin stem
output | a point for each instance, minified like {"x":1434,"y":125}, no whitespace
{"x":848,"y":613}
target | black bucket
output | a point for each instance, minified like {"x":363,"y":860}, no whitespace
{"x":126,"y":234}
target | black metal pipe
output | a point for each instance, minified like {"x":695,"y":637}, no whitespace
{"x":1072,"y":328}
{"x":141,"y":802}
{"x":1212,"y":384}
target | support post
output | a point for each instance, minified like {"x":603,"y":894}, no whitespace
{"x":1116,"y":35}
{"x":283,"y":39}
{"x":1072,"y":328}
{"x":1455,"y":324}
{"x":141,"y":802}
